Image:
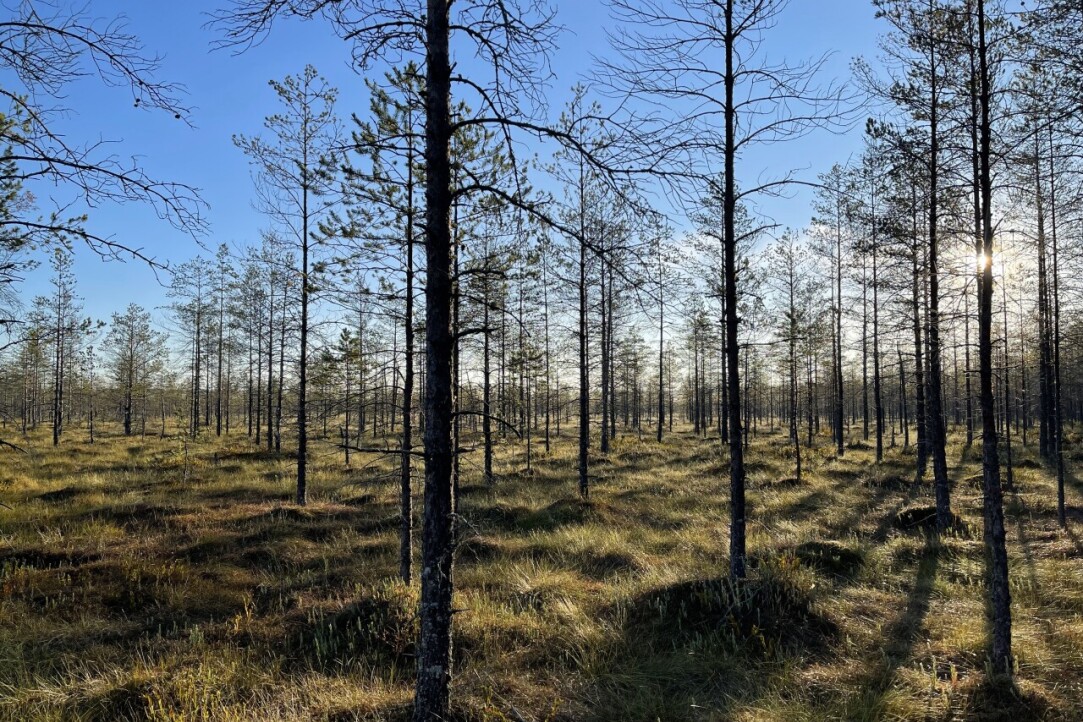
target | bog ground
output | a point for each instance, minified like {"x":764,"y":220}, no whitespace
{"x":136,"y":585}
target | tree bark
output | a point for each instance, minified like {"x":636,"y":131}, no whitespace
{"x":935,"y":409}
{"x":1000,"y":595}
{"x":432,"y":692}
{"x":737,"y":460}
{"x":302,"y":385}
{"x":406,"y":527}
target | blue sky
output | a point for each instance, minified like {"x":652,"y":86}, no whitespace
{"x":230,"y":95}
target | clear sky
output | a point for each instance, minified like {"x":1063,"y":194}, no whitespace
{"x":230,"y":95}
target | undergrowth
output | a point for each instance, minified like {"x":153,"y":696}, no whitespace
{"x":150,"y":579}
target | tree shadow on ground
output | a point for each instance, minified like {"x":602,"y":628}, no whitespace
{"x":899,"y":638}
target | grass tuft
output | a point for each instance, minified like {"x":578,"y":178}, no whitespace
{"x":923,"y":519}
{"x":830,"y":558}
{"x":772,"y":610}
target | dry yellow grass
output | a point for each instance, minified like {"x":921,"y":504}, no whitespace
{"x":130,"y":590}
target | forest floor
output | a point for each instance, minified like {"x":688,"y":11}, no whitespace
{"x":131,"y":589}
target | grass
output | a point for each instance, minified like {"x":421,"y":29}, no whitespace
{"x":137,"y":586}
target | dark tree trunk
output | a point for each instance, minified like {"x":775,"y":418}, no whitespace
{"x":794,"y":436}
{"x":456,"y":350}
{"x":976,"y":190}
{"x":1000,"y":595}
{"x":737,"y":459}
{"x":603,"y":446}
{"x":611,"y":339}
{"x":196,"y":370}
{"x":904,"y":420}
{"x":58,"y":374}
{"x":259,"y":376}
{"x":432,"y":691}
{"x":302,"y":385}
{"x":281,"y":374}
{"x":218,"y":379}
{"x":1009,"y":480}
{"x":1058,"y":415}
{"x":406,"y":526}
{"x":548,"y":373}
{"x":486,"y":392}
{"x":270,"y":365}
{"x":919,"y":356}
{"x":840,"y":402}
{"x":937,"y":437}
{"x":877,"y":390}
{"x":864,"y":350}
{"x":661,"y":358}
{"x":129,"y":385}
{"x":584,"y":371}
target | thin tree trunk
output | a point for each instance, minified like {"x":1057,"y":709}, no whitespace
{"x":432,"y":691}
{"x":603,"y":446}
{"x":935,"y":409}
{"x":794,"y":437}
{"x":878,"y":396}
{"x":406,"y":525}
{"x":1058,"y":416}
{"x":737,"y":460}
{"x":661,"y":357}
{"x":486,"y":392}
{"x":270,"y":364}
{"x":584,"y":371}
{"x":840,"y":402}
{"x":1000,"y":595}
{"x":302,"y":381}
